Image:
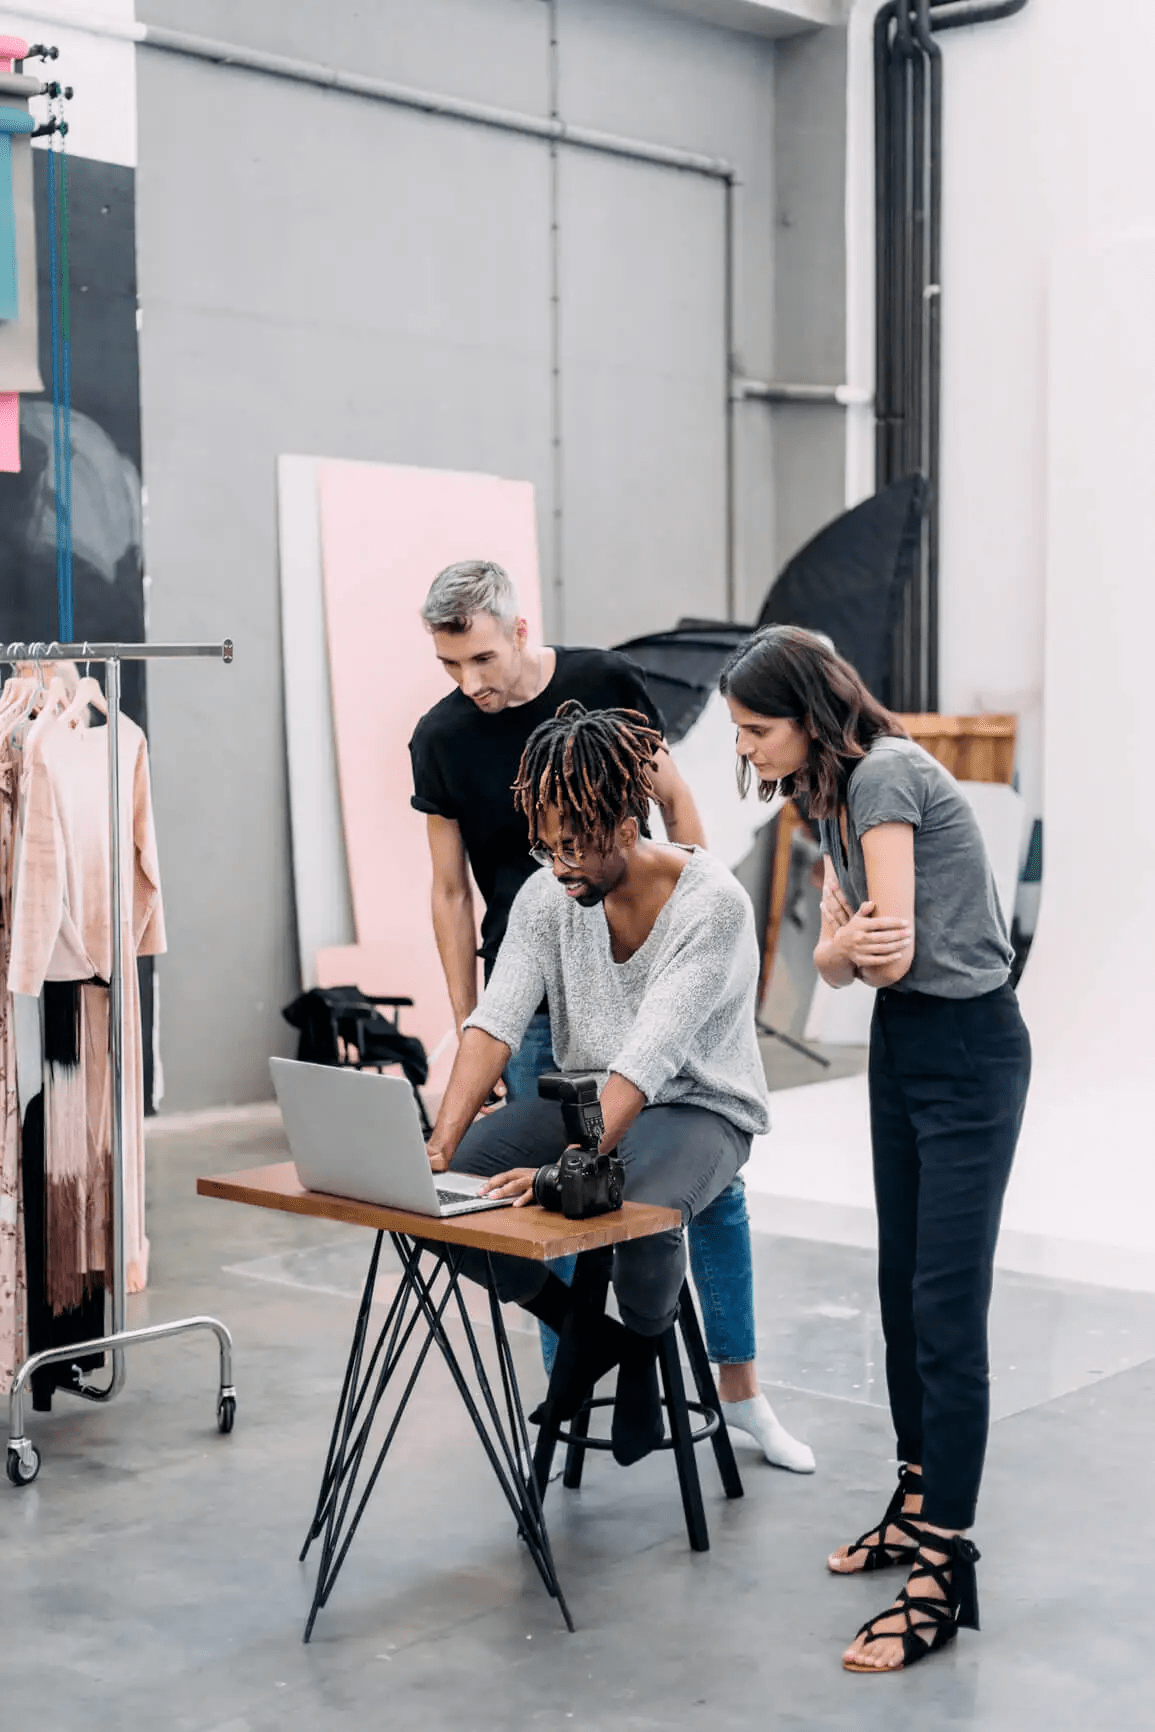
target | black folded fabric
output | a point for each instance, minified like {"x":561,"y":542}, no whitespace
{"x":327,"y":1015}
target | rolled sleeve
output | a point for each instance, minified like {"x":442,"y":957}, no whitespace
{"x":430,"y":795}
{"x":886,"y":789}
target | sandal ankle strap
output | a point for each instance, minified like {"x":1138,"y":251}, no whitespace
{"x":954,"y":1574}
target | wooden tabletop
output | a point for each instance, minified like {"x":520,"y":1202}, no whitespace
{"x":529,"y":1232}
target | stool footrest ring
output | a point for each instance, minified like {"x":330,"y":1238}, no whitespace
{"x":699,"y":1435}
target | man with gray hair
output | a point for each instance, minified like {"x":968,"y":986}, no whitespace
{"x":465,"y":753}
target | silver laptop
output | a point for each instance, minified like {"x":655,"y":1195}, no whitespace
{"x":356,"y":1134}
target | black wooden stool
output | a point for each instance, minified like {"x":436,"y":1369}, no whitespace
{"x":590,"y":1287}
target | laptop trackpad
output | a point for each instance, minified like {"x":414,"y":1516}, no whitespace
{"x":466,"y":1184}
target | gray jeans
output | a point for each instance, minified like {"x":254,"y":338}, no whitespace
{"x":681,"y":1157}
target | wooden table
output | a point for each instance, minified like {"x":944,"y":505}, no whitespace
{"x":430,"y":1252}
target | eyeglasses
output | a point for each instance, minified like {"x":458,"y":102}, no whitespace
{"x":546,"y":857}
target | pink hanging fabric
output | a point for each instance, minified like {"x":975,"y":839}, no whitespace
{"x":9,"y":432}
{"x":61,"y":930}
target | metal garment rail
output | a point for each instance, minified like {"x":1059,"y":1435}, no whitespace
{"x":23,"y":1457}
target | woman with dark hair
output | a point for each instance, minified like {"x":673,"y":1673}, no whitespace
{"x":909,"y":905}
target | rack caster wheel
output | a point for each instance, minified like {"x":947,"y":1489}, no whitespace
{"x":226,"y":1413}
{"x":23,"y":1464}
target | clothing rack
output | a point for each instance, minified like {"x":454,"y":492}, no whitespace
{"x":23,"y":1457}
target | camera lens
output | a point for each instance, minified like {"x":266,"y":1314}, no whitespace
{"x":547,"y":1188}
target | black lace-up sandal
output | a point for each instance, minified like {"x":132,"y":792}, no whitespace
{"x":929,"y":1623}
{"x":881,"y":1553}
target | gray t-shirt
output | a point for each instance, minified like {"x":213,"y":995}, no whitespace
{"x":676,"y":1018}
{"x":961,"y":949}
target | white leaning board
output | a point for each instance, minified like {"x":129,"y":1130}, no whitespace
{"x":320,"y":870}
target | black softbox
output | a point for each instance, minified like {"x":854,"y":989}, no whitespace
{"x":849,"y":582}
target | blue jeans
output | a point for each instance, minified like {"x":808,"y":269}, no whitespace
{"x":719,"y":1239}
{"x":532,"y":1059}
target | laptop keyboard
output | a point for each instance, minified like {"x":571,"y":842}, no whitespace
{"x":457,"y":1196}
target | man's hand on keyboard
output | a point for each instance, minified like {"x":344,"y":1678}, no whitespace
{"x":516,"y":1186}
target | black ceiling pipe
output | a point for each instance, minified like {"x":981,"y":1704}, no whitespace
{"x":908,"y":83}
{"x":883,"y":393}
{"x":932,"y":325}
{"x":960,"y":13}
{"x":894,"y":50}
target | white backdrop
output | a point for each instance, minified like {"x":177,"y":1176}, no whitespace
{"x":1086,"y":1168}
{"x":1048,"y":586}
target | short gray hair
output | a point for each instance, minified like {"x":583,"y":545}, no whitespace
{"x":471,"y":587}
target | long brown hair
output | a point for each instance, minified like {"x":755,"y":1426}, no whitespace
{"x":786,"y":671}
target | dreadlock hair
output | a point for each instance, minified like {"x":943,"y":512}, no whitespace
{"x":594,"y":766}
{"x":785,"y":670}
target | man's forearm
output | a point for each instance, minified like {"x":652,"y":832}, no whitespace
{"x":621,"y":1103}
{"x":480,"y":1061}
{"x":456,"y":934}
{"x":683,"y":821}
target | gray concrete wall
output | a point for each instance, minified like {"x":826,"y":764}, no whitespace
{"x":324,"y":274}
{"x":809,"y":440}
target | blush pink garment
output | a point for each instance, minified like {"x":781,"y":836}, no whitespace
{"x":61,"y":930}
{"x":13,"y":1309}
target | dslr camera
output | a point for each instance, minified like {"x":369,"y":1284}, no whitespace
{"x":584,"y":1182}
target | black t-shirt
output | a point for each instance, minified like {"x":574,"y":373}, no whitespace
{"x":465,"y":763}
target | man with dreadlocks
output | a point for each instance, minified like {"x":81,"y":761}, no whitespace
{"x":465,"y":754}
{"x":647,"y":956}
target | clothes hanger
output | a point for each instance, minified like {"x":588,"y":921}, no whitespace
{"x":27,"y":691}
{"x":55,"y":697}
{"x":87,"y":692}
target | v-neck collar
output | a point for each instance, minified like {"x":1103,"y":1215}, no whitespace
{"x":663,"y":912}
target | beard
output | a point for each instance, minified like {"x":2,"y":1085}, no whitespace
{"x":590,"y":895}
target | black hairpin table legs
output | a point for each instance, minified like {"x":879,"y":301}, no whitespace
{"x":430,"y":1287}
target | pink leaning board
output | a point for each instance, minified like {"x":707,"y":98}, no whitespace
{"x":385,"y":534}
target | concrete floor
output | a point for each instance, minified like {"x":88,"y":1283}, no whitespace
{"x":150,"y":1575}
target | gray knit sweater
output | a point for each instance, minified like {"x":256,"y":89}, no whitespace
{"x":676,"y":1019}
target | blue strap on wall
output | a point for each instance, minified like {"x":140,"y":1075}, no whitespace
{"x":11,"y":120}
{"x":61,"y":386}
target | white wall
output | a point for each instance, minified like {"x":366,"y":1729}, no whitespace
{"x":1086,"y":1167}
{"x":1048,"y":555}
{"x":995,"y":243}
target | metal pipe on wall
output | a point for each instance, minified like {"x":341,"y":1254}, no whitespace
{"x":557,"y":450}
{"x":908,"y":85}
{"x":932,"y":320}
{"x":883,"y":407}
{"x":730,"y":460}
{"x":957,"y":13}
{"x":557,"y":133}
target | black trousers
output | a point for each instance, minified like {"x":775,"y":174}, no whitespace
{"x":948,"y":1084}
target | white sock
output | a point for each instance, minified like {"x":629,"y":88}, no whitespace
{"x":757,"y":1419}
